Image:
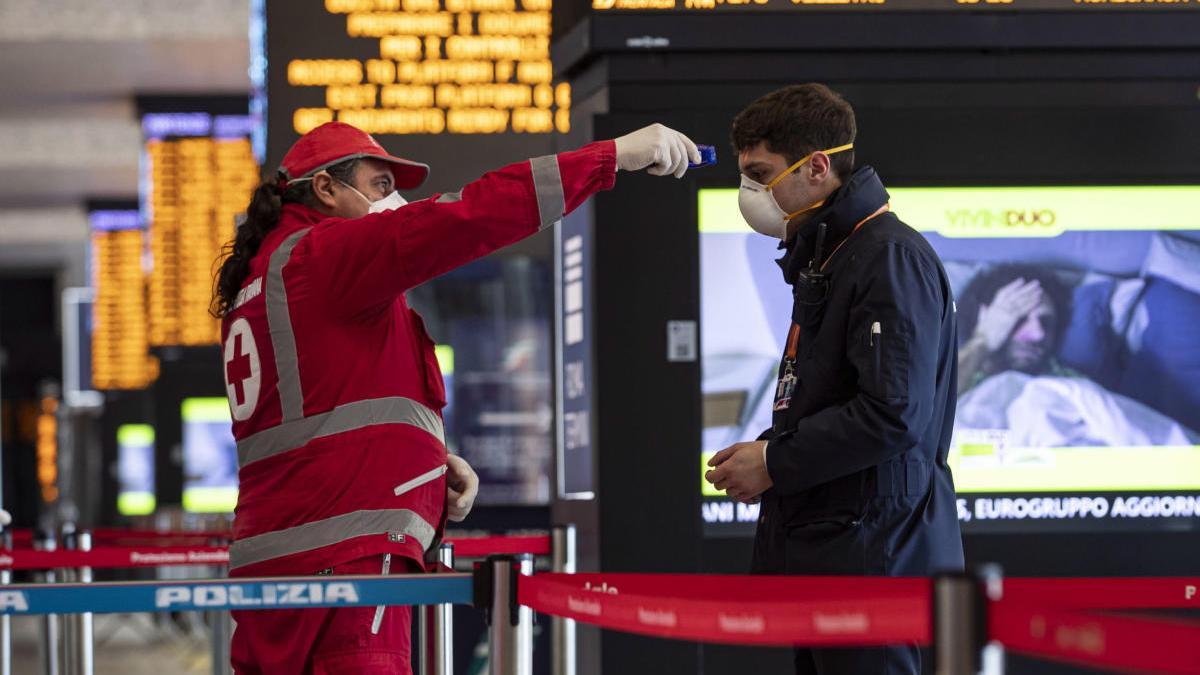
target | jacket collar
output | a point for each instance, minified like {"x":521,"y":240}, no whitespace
{"x":292,"y":218}
{"x":859,"y":197}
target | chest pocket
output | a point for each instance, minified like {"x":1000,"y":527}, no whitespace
{"x":435,"y":386}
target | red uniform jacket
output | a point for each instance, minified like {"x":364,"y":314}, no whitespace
{"x":335,"y":391}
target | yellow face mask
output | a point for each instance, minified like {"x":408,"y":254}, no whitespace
{"x":760,"y":208}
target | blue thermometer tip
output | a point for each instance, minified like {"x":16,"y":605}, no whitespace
{"x":708,"y":156}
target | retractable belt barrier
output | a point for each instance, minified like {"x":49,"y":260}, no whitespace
{"x":24,"y":537}
{"x":1039,"y":617}
{"x":174,"y":549}
{"x":1111,"y":593}
{"x":748,"y":610}
{"x":1084,"y":621}
{"x":1111,"y":642}
{"x":481,"y":547}
{"x":68,"y":608}
{"x":220,"y":594}
{"x":115,"y":557}
{"x":1075,"y":620}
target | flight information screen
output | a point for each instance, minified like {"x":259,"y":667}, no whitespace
{"x":120,"y":340}
{"x":701,"y":6}
{"x":419,"y":66}
{"x":198,"y":174}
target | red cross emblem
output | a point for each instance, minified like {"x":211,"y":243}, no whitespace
{"x":243,"y":376}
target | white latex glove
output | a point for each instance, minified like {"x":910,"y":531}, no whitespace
{"x":664,"y":150}
{"x":462,"y":485}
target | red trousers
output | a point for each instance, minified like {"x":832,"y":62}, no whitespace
{"x":327,"y":639}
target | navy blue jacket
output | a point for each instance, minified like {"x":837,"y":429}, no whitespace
{"x":857,"y":451}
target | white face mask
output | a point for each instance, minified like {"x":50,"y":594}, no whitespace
{"x":758,"y":206}
{"x":388,"y":203}
{"x":761,"y":211}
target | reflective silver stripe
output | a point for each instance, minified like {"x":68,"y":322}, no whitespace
{"x":283,"y":340}
{"x":346,"y":417}
{"x":547,"y":184}
{"x":320,"y":533}
{"x":427,"y":477}
{"x":387,"y":567}
{"x":449,"y":197}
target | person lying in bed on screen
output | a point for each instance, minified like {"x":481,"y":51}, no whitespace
{"x":1011,"y":317}
{"x":1011,"y":323}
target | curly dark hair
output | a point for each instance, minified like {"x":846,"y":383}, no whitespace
{"x":262,"y":215}
{"x":798,"y":120}
{"x":982,"y":290}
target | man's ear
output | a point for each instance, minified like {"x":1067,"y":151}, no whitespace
{"x":322,"y":187}
{"x":819,"y":168}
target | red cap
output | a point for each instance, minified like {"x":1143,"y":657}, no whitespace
{"x":335,"y":142}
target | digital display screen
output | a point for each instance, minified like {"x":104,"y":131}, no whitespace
{"x":120,"y":340}
{"x":197,"y":176}
{"x":135,"y":470}
{"x":427,"y":67}
{"x":704,"y":6}
{"x":464,"y":86}
{"x":502,"y":416}
{"x":210,"y":467}
{"x":1079,"y":350}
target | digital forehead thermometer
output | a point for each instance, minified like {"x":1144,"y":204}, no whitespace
{"x":708,"y":156}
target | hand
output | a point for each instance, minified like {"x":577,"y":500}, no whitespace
{"x":462,"y":485}
{"x":1012,"y":302}
{"x":741,"y":471}
{"x":664,"y":150}
{"x":5,"y":518}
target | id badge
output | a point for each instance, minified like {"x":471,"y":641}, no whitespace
{"x":786,"y":387}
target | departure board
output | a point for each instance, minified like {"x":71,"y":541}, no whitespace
{"x":120,"y":344}
{"x":198,"y":175}
{"x":700,"y":6}
{"x":465,"y":86}
{"x":436,"y":66}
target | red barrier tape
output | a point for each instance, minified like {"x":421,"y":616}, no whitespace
{"x":1121,"y":643}
{"x":166,"y":552}
{"x":115,"y":557}
{"x":467,"y":547}
{"x":749,"y":610}
{"x":24,"y":537}
{"x":478,"y":547}
{"x":1110,"y":593}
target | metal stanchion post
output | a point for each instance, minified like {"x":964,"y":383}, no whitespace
{"x":6,"y":620}
{"x":87,"y":642}
{"x":435,"y":628}
{"x":960,"y":630}
{"x":510,"y":638}
{"x":222,"y":636}
{"x":50,"y":632}
{"x":562,"y":631}
{"x":70,"y":624}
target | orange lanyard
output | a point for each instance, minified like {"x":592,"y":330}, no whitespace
{"x":882,"y":210}
{"x":793,"y":341}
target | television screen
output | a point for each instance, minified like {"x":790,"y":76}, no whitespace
{"x":1079,"y":350}
{"x":210,"y":480}
{"x":135,"y":470}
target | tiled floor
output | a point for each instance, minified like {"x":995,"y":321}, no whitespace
{"x":127,"y":644}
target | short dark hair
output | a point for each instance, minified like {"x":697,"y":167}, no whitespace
{"x":797,"y":120}
{"x":983,"y":288}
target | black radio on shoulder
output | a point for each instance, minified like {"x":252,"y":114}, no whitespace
{"x":811,"y":287}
